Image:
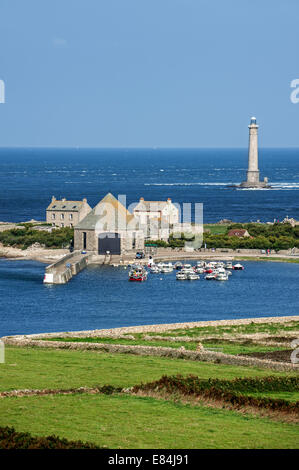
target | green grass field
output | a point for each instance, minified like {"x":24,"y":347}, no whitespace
{"x":142,"y":422}
{"x":126,"y":421}
{"x":37,"y":368}
{"x":216,"y":229}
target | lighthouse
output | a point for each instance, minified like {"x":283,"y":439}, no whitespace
{"x":253,"y":174}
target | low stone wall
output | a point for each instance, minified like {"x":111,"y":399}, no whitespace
{"x":181,"y":353}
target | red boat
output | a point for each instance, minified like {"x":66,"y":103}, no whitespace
{"x":137,"y":274}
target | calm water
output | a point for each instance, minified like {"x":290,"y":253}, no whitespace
{"x":29,"y":177}
{"x":102,"y":297}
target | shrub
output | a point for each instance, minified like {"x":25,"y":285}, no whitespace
{"x":229,"y":390}
{"x":11,"y":439}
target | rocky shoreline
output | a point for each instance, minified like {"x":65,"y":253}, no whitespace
{"x":34,"y":252}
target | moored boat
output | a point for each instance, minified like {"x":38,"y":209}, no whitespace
{"x":178,"y":265}
{"x":210,"y":276}
{"x":238,"y":267}
{"x":137,"y":273}
{"x":155,"y":269}
{"x":192,"y":276}
{"x":229,"y":265}
{"x":167,"y":268}
{"x":221,"y":277}
{"x":180,"y":276}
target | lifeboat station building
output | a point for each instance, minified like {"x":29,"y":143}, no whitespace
{"x":109,"y":228}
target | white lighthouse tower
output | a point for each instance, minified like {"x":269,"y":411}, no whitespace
{"x":253,"y":174}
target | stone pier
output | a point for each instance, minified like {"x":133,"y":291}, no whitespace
{"x":63,"y":270}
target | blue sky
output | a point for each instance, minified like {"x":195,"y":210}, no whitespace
{"x":148,"y":73}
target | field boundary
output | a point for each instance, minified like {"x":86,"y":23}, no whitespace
{"x":203,"y":356}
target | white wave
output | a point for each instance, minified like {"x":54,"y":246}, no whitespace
{"x":187,"y":184}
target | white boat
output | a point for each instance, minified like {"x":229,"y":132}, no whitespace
{"x":181,"y":276}
{"x":221,"y":277}
{"x":155,"y":269}
{"x":199,"y":270}
{"x":238,"y":267}
{"x":188,"y":268}
{"x":221,"y":271}
{"x":220,"y":265}
{"x":229,"y":265}
{"x":167,"y":268}
{"x":210,"y":265}
{"x":200,"y":264}
{"x":178,"y":265}
{"x":192,"y":276}
{"x":210,"y":277}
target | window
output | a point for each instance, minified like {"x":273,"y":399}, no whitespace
{"x":71,"y":225}
{"x":62,"y":225}
{"x":62,"y":216}
{"x":53,"y":216}
{"x":71,"y":216}
{"x":84,"y":240}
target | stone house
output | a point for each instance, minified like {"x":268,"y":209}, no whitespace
{"x":109,"y":227}
{"x":157,"y":218}
{"x":63,"y":213}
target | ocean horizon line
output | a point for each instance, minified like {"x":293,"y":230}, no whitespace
{"x":75,"y":147}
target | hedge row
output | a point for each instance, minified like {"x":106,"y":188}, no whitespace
{"x":23,"y":238}
{"x":229,"y":390}
{"x":262,"y":236}
{"x":11,"y":439}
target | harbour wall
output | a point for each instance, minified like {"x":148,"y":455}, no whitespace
{"x":65,"y":268}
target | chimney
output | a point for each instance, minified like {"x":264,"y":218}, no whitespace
{"x":141,"y":199}
{"x":169,"y":200}
{"x":53,"y":198}
{"x":84,"y":200}
{"x":63,"y":199}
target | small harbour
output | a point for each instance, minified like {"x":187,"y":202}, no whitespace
{"x":102,"y":297}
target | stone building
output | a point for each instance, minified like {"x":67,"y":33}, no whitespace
{"x":66,"y":213}
{"x":109,"y":227}
{"x":157,"y":218}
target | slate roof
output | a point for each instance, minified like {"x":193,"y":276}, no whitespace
{"x":108,"y":214}
{"x":73,"y":206}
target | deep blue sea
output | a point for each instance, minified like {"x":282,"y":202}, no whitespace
{"x":29,"y":177}
{"x":102,"y":297}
